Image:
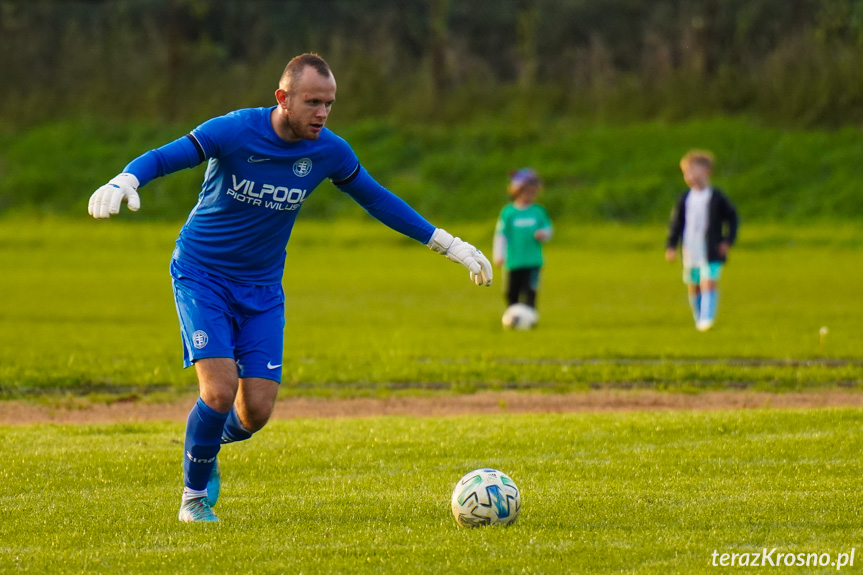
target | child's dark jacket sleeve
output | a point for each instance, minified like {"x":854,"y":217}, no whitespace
{"x":729,"y":217}
{"x":675,"y":225}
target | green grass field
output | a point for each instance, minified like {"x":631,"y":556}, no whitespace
{"x":86,"y":308}
{"x":88,"y":312}
{"x":651,"y":492}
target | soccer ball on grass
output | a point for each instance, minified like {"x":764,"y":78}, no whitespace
{"x":519,"y":316}
{"x":485,"y":497}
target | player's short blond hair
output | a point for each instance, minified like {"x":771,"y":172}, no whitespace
{"x":702,"y":157}
{"x":297,"y":65}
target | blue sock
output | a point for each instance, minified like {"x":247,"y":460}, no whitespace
{"x":695,"y":304}
{"x":203,"y":441}
{"x":708,"y":304}
{"x":234,"y":430}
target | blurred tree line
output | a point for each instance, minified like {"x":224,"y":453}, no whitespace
{"x":794,"y":62}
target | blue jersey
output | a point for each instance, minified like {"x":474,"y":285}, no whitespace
{"x":254,"y":187}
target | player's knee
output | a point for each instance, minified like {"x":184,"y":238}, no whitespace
{"x":220,"y":398}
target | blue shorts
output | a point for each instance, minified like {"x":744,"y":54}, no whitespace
{"x":696,"y":275}
{"x":222,"y":318}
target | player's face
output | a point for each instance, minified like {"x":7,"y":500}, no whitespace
{"x":310,"y":103}
{"x":696,"y":175}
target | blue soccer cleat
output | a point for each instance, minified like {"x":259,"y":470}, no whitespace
{"x":195,"y":510}
{"x":214,"y":485}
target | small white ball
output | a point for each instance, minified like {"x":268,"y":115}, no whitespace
{"x":519,"y":316}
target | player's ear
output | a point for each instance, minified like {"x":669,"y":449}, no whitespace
{"x":281,"y":97}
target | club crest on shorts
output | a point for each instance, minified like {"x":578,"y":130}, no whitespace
{"x":303,"y":167}
{"x":200,"y":339}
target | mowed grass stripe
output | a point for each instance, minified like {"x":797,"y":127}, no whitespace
{"x":89,"y":309}
{"x":651,"y":492}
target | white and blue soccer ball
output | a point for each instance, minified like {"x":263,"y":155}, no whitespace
{"x":485,"y":497}
{"x":519,"y":316}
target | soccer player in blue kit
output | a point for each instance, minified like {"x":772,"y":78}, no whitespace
{"x":227,"y":267}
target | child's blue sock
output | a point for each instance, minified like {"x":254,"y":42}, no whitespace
{"x":234,"y":430}
{"x":695,"y":304}
{"x":203,"y":441}
{"x":708,"y":304}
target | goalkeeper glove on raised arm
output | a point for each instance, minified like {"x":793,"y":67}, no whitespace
{"x":105,"y":202}
{"x":462,"y":252}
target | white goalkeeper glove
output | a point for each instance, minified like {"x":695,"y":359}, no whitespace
{"x":106,"y":201}
{"x":462,"y":252}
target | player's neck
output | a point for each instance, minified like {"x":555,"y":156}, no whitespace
{"x":282,"y":127}
{"x":521,"y":204}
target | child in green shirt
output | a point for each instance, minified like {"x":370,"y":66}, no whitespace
{"x":522,"y":228}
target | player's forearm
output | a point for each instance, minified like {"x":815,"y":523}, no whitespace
{"x":387,"y":208}
{"x":178,"y":155}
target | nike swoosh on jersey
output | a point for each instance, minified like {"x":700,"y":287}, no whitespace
{"x":254,"y":160}
{"x":271,"y":366}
